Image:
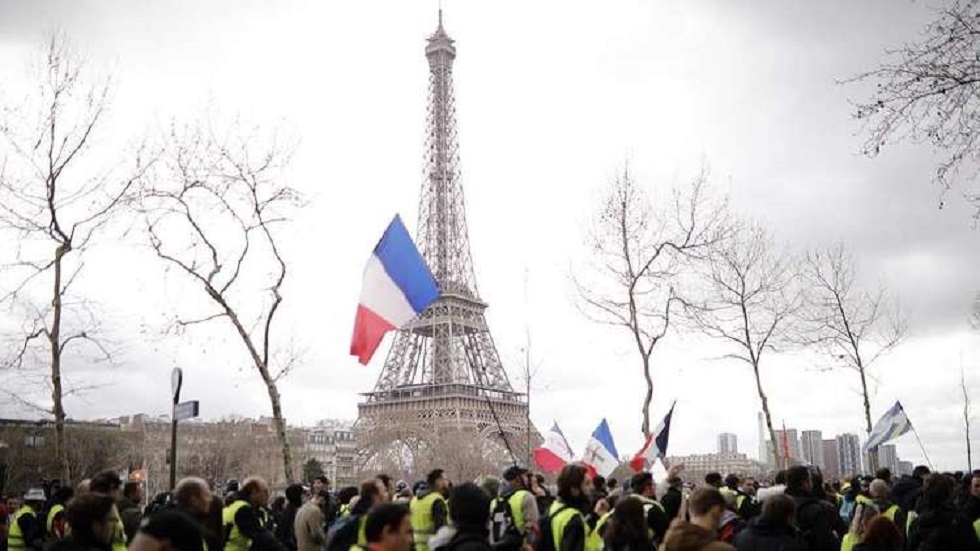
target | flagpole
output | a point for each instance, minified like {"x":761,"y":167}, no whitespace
{"x":923,"y":448}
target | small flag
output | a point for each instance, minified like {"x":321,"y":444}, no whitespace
{"x":655,"y":446}
{"x":600,"y":453}
{"x":892,"y":424}
{"x":397,"y":287}
{"x":555,"y":453}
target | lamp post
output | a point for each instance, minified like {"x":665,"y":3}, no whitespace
{"x":176,"y":379}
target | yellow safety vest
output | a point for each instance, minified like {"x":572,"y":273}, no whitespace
{"x":849,"y":541}
{"x":15,"y":537}
{"x":516,"y":503}
{"x":235,"y":540}
{"x":560,"y":517}
{"x":976,"y":528}
{"x":344,"y":510}
{"x":595,"y":539}
{"x":864,"y":500}
{"x":889,"y":513}
{"x":118,"y":533}
{"x":423,"y":525}
{"x":55,"y":509}
{"x":650,"y":504}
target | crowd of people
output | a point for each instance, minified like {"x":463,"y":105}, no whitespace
{"x":797,"y":511}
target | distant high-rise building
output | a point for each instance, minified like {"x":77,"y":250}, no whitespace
{"x":904,"y":468}
{"x":849,"y":454}
{"x":888,"y":458}
{"x":727,"y":443}
{"x":789,"y":445}
{"x":831,"y":462}
{"x":811,"y":444}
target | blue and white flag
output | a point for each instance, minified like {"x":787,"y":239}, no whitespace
{"x":600,"y":453}
{"x":892,"y":424}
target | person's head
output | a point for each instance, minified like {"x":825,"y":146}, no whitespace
{"x":133,"y":491}
{"x":675,"y":482}
{"x":706,"y":507}
{"x":921,"y":472}
{"x":232,"y":486}
{"x":885,"y":474}
{"x":975,"y":485}
{"x":346,"y":494}
{"x":732,"y":481}
{"x":938,"y":491}
{"x":749,"y":486}
{"x":879,"y":489}
{"x":389,"y":526}
{"x":91,"y":517}
{"x":167,"y":531}
{"x":320,"y":483}
{"x":779,"y":509}
{"x":107,"y":482}
{"x":517,"y":477}
{"x":193,"y":494}
{"x":294,"y":494}
{"x":642,"y":484}
{"x":798,"y":480}
{"x":628,"y":525}
{"x":278,"y":504}
{"x":372,"y":494}
{"x":780,"y":478}
{"x":883,"y":532}
{"x":599,"y":483}
{"x":256,"y":490}
{"x":321,"y":497}
{"x":469,"y":505}
{"x":573,"y":483}
{"x":491,"y":485}
{"x":713,"y":480}
{"x":437,"y":481}
{"x":63,"y":494}
{"x":612,"y":484}
{"x":35,"y":498}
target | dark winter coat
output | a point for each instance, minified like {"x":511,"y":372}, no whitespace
{"x":130,"y":513}
{"x":73,"y":543}
{"x":942,"y":529}
{"x":671,"y":501}
{"x":971,"y":508}
{"x":764,"y":535}
{"x":906,"y":492}
{"x":284,"y":530}
{"x":819,"y":524}
{"x":468,"y":538}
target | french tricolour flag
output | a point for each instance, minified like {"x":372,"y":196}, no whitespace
{"x":397,"y":287}
{"x":555,"y":453}
{"x":600,"y":453}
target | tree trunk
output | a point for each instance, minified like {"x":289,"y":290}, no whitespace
{"x":765,"y":410}
{"x":648,"y":398}
{"x":872,"y":454}
{"x":54,"y":338}
{"x":287,"y":456}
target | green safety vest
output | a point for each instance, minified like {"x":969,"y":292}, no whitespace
{"x":235,"y":540}
{"x":15,"y":537}
{"x":650,"y":504}
{"x":118,"y":532}
{"x":423,"y":525}
{"x":976,"y":528}
{"x":516,"y":502}
{"x":849,"y":541}
{"x":595,"y":539}
{"x":55,"y":509}
{"x":889,"y":513}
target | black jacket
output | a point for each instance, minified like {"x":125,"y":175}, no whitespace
{"x":284,"y":530}
{"x":671,"y":501}
{"x":762,"y":535}
{"x":819,"y":524}
{"x":130,"y":514}
{"x":906,"y":492}
{"x":971,"y":508}
{"x":73,"y":543}
{"x":468,"y":538}
{"x":942,"y":529}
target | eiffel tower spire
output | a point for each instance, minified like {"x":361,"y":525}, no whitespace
{"x":443,"y":370}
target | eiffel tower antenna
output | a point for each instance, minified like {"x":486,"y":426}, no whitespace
{"x":443,"y":374}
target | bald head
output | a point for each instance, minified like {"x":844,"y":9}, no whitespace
{"x":192,"y":493}
{"x":879,"y":489}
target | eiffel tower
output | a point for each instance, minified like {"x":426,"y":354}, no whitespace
{"x":443,"y":398}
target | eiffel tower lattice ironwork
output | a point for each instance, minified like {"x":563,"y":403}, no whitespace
{"x":443,"y":373}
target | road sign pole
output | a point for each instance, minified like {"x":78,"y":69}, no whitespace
{"x":176,"y":379}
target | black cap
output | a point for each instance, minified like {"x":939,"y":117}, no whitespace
{"x":514,"y":471}
{"x":175,"y":527}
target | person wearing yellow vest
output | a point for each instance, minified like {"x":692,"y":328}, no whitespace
{"x":625,"y":527}
{"x":92,"y":519}
{"x":863,"y":514}
{"x":350,"y":532}
{"x":569,"y":530}
{"x":243,"y":531}
{"x":514,"y":514}
{"x":429,"y":510}
{"x":55,"y":525}
{"x":879,"y":492}
{"x":644,"y":488}
{"x":192,"y":497}
{"x":109,"y":483}
{"x":26,"y":529}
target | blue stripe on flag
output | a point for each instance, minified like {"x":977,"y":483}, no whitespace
{"x":604,"y":437}
{"x":405,"y":266}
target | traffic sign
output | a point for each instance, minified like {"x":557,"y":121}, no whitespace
{"x":186,"y":410}
{"x":176,"y":379}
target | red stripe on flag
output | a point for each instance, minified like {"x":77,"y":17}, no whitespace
{"x":369,"y":330}
{"x":548,"y":460}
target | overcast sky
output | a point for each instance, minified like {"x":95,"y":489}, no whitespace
{"x":553,"y":97}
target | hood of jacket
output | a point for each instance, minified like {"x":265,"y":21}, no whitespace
{"x":906,"y":492}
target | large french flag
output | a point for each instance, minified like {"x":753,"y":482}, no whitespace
{"x":655,"y":446}
{"x":397,"y":287}
{"x":600,"y":453}
{"x":555,"y":453}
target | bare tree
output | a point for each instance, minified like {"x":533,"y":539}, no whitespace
{"x":928,"y":91}
{"x":966,"y":417}
{"x":55,"y":201}
{"x":750,"y":304}
{"x":212,"y":213}
{"x":637,"y":255}
{"x":855,"y":327}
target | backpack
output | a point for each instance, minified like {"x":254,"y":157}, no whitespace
{"x":504,"y":533}
{"x":343,"y":533}
{"x":847,"y":510}
{"x":546,"y":537}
